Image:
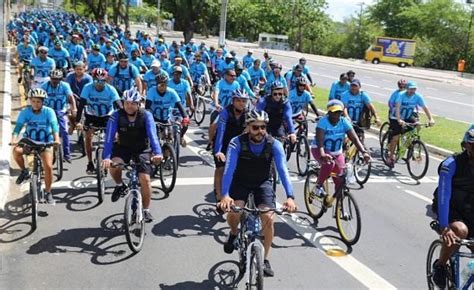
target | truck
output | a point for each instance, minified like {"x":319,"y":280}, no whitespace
{"x":398,"y":51}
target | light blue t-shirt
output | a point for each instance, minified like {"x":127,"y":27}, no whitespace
{"x":248,"y":61}
{"x":138,"y":63}
{"x":148,"y":59}
{"x":256,"y":75}
{"x":392,"y":102}
{"x":337,"y":90}
{"x":26,"y":53}
{"x":197,"y":69}
{"x":43,"y":68}
{"x":334,"y":135}
{"x":181,"y":89}
{"x":161,"y":106}
{"x":355,"y":104}
{"x":298,"y":102}
{"x":123,"y":78}
{"x":272,"y":78}
{"x":185,"y":73}
{"x":39,"y":127}
{"x":76,"y":52}
{"x":57,"y":97}
{"x":408,"y":104}
{"x":224,"y":92}
{"x":95,"y":61}
{"x":99,"y":103}
{"x":150,"y":77}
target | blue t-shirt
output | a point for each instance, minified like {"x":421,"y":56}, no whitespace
{"x":148,"y":59}
{"x":408,"y":104}
{"x":298,"y":102}
{"x":145,"y":43}
{"x":181,"y":89}
{"x":242,"y":80}
{"x":224,"y":92}
{"x":355,"y":104}
{"x":124,"y":79}
{"x":272,"y":78}
{"x":60,"y":56}
{"x":39,"y":127}
{"x":57,"y":97}
{"x":333,"y":135}
{"x":99,"y":103}
{"x":26,"y":53}
{"x":104,"y":50}
{"x":95,"y":61}
{"x":256,"y":75}
{"x":43,"y":68}
{"x":185,"y":73}
{"x":392,"y":102}
{"x":137,"y":62}
{"x":76,"y":52}
{"x":197,"y":69}
{"x":161,"y":106}
{"x":130,"y":46}
{"x":337,"y":90}
{"x":150,"y":77}
{"x":77,"y":86}
{"x":165,"y":64}
{"x":248,"y":61}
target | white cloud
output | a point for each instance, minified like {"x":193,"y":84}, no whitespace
{"x":340,"y":9}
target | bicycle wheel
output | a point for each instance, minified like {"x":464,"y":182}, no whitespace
{"x":59,"y":161}
{"x":417,"y":160}
{"x":134,"y":221}
{"x":177,"y":143}
{"x":168,"y":168}
{"x":100,"y":174}
{"x":383,"y":130}
{"x":361,"y":168}
{"x":433,"y":254}
{"x":274,"y":177}
{"x":302,"y":155}
{"x":348,"y":218}
{"x":287,"y":148}
{"x":26,"y":83}
{"x":199,"y":110}
{"x":256,"y":267}
{"x":34,"y":200}
{"x":314,"y":203}
{"x":81,"y":141}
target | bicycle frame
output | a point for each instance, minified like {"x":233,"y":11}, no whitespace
{"x":455,"y":260}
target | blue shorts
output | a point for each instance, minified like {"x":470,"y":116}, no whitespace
{"x":263,"y":193}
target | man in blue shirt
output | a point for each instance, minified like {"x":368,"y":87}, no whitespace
{"x":42,"y":66}
{"x":148,"y":57}
{"x":249,"y":160}
{"x":149,"y":79}
{"x":60,"y":56}
{"x":257,"y":74}
{"x":76,"y":50}
{"x":198,"y":69}
{"x":124,"y":75}
{"x":248,"y":59}
{"x":137,"y":62}
{"x":183,"y":90}
{"x":275,"y":75}
{"x":338,"y":88}
{"x":95,"y":59}
{"x":26,"y":52}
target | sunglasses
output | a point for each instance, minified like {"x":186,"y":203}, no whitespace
{"x":301,"y":85}
{"x":277,"y":94}
{"x":232,"y":75}
{"x":257,"y":127}
{"x":99,"y":81}
{"x":43,"y":52}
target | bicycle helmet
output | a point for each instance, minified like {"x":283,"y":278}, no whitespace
{"x":56,"y":74}
{"x":255,"y":115}
{"x":302,"y":60}
{"x":162,"y":79}
{"x":240,"y":94}
{"x":132,"y":95}
{"x":277,"y":85}
{"x":277,"y":65}
{"x":402,"y":83}
{"x":99,"y":74}
{"x":469,"y":135}
{"x":122,"y":56}
{"x":37,"y":93}
{"x":301,"y":81}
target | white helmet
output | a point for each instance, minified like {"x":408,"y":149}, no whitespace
{"x":255,"y":115}
{"x":132,"y":95}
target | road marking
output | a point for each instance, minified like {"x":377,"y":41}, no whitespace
{"x":449,"y":101}
{"x":387,"y":81}
{"x":419,"y":196}
{"x":430,"y":88}
{"x":6,"y":132}
{"x":348,"y":263}
{"x":459,"y":94}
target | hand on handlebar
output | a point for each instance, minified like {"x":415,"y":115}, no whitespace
{"x":156,"y":159}
{"x":327,"y":158}
{"x":226,"y":203}
{"x":449,"y":237}
{"x":220,"y":156}
{"x":106,"y":164}
{"x":289,"y":205}
{"x":292,"y":138}
{"x":431,"y":122}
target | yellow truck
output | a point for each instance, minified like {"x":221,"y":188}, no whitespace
{"x":398,"y":51}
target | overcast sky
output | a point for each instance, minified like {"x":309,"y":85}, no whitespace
{"x":339,"y":9}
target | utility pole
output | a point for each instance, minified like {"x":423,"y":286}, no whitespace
{"x":223,"y":23}
{"x":359,"y":30}
{"x":158,"y":18}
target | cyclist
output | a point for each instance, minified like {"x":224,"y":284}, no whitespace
{"x":183,"y":90}
{"x":78,"y":78}
{"x":327,"y":146}
{"x":145,"y":42}
{"x":160,"y":46}
{"x":165,"y":63}
{"x":149,"y":79}
{"x":392,"y":102}
{"x":338,"y":88}
{"x":403,"y":113}
{"x":248,"y":59}
{"x":76,"y":50}
{"x":291,"y":77}
{"x":248,"y":166}
{"x":276,"y":76}
{"x":42,"y":65}
{"x":136,"y":132}
{"x":454,"y":204}
{"x":95,"y":59}
{"x":217,"y":61}
{"x":306,"y":71}
{"x":198,"y":69}
{"x":124,"y":75}
{"x":300,"y":98}
{"x":138,"y":62}
{"x":279,"y":111}
{"x":109,"y":61}
{"x":148,"y":57}
{"x":186,"y":75}
{"x":225,"y":65}
{"x":243,"y":80}
{"x":257,"y":74}
{"x":108,"y":47}
{"x":99,"y":98}
{"x":351,"y":75}
{"x":60,"y":56}
{"x":26,"y":53}
{"x":231,"y":123}
{"x":42,"y":126}
{"x":189,"y":54}
{"x":59,"y":97}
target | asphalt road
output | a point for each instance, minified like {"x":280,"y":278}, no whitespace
{"x":81,"y":244}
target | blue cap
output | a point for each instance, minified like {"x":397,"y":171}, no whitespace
{"x":355,"y":82}
{"x":411,"y":85}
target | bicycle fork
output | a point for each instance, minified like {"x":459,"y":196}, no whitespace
{"x":257,"y":244}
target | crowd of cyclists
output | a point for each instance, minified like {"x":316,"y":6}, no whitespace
{"x":87,"y":74}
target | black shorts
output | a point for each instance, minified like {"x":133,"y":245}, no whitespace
{"x":126,"y":155}
{"x":397,"y":129}
{"x":95,"y":121}
{"x":218,"y":163}
{"x":263,"y":194}
{"x":214,"y":115}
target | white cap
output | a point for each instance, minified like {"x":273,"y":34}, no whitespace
{"x":156,"y":63}
{"x":250,"y":50}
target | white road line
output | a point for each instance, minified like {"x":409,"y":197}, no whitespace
{"x":419,"y":196}
{"x":449,"y":101}
{"x":459,"y":94}
{"x":348,"y":263}
{"x":430,"y":88}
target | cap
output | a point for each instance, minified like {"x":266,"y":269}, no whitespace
{"x":43,"y":48}
{"x":250,"y":51}
{"x":163,"y":53}
{"x":160,"y":40}
{"x":335,"y":106}
{"x":228,"y":55}
{"x":219,"y":50}
{"x":177,"y":69}
{"x":351,"y":72}
{"x":178,"y":57}
{"x":95,"y":47}
{"x":355,"y":82}
{"x":299,"y":67}
{"x":75,"y":36}
{"x":156,"y":63}
{"x":411,"y":85}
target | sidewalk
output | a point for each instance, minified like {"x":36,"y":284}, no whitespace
{"x":5,"y":124}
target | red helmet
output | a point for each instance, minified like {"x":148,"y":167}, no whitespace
{"x":402,"y":83}
{"x":99,"y":74}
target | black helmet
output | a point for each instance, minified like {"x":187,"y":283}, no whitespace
{"x":162,"y":79}
{"x":301,"y":81}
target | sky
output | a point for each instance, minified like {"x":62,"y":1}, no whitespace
{"x":339,"y":9}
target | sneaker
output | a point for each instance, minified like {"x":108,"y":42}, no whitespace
{"x":49,"y":198}
{"x":90,"y":168}
{"x":267,"y":269}
{"x":229,"y":245}
{"x":119,"y":189}
{"x":439,"y":275}
{"x":147,"y":216}
{"x":24,"y":174}
{"x":183,"y":143}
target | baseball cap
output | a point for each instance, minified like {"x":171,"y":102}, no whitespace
{"x":155,"y":63}
{"x":335,"y":106}
{"x":355,"y":82}
{"x":411,"y":85}
{"x":250,"y":51}
{"x":469,"y":135}
{"x":177,"y":69}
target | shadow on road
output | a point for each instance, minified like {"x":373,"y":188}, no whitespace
{"x":15,"y":220}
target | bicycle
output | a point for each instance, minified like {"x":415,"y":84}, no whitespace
{"x":133,"y":209}
{"x":100,"y":173}
{"x":410,"y":148}
{"x":26,"y":76}
{"x":37,"y":194}
{"x":169,"y":166}
{"x":345,"y":211}
{"x":199,"y":102}
{"x":249,"y":243}
{"x":58,"y":160}
{"x":453,"y":265}
{"x":301,"y":147}
{"x":383,"y":129}
{"x":355,"y":158}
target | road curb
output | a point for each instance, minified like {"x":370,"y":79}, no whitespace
{"x":5,"y":151}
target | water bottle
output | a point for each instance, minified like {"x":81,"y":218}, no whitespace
{"x":350,"y":177}
{"x":468,"y":271}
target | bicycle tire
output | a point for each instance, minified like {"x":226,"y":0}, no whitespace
{"x":81,"y":141}
{"x":342,"y":214}
{"x":414,"y":155}
{"x":58,"y":161}
{"x":430,"y":258}
{"x":256,"y":267}
{"x":169,"y":159}
{"x":177,"y":143}
{"x":100,"y":174}
{"x":383,"y":129}
{"x":34,"y":201}
{"x":358,"y":163}
{"x":129,"y":220}
{"x":311,"y":199}
{"x":199,"y":111}
{"x":26,"y":83}
{"x":302,"y":155}
{"x":287,"y":149}
{"x":274,"y":176}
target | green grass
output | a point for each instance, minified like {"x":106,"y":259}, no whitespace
{"x":446,"y":134}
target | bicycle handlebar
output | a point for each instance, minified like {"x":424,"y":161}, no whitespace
{"x":460,"y":242}
{"x":238,"y":209}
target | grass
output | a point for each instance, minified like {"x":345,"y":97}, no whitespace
{"x":446,"y":134}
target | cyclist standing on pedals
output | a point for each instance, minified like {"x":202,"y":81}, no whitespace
{"x":279,"y":111}
{"x":454,"y":204}
{"x":231,"y":123}
{"x":299,"y":98}
{"x":41,"y":126}
{"x":356,"y":101}
{"x":136,"y":132}
{"x":59,"y":96}
{"x":183,"y":90}
{"x":124,"y":75}
{"x":327,"y":146}
{"x":405,"y":112}
{"x":249,"y":160}
{"x":99,"y":98}
{"x":338,"y":88}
